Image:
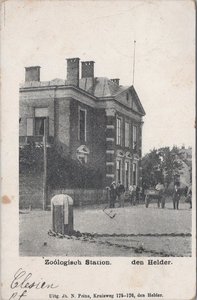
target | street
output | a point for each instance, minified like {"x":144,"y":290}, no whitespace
{"x":133,"y":231}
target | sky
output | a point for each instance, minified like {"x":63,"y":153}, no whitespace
{"x":45,"y":33}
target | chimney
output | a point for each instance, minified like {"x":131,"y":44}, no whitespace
{"x":73,"y":71}
{"x":115,"y":80}
{"x":32,"y":73}
{"x":87,"y":69}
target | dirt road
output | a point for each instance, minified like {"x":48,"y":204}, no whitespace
{"x":133,"y":231}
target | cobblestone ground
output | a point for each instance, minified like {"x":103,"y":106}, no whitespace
{"x":133,"y":231}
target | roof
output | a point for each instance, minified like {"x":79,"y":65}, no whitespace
{"x":102,"y":86}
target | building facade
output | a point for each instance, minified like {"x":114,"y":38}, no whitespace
{"x":93,"y":120}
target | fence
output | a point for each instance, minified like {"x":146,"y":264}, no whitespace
{"x":83,"y":196}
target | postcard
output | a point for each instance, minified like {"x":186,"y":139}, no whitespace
{"x":98,"y":150}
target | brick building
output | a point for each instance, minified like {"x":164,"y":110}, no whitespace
{"x":92,"y":120}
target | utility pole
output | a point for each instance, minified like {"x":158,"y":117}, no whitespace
{"x":45,"y":165}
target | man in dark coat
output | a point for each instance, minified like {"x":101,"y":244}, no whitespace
{"x":112,"y":194}
{"x":176,"y":196}
{"x":120,"y":190}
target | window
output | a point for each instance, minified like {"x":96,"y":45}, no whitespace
{"x":41,"y":115}
{"x":134,"y":137}
{"x":118,"y":170}
{"x":127,"y":173}
{"x":127,"y":134}
{"x":36,"y":125}
{"x":127,"y":96}
{"x":82,"y":125}
{"x":134,"y":174}
{"x":39,"y":126}
{"x":118,"y":131}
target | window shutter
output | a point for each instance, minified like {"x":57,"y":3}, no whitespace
{"x":30,"y":127}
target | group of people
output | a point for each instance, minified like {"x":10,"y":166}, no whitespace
{"x":117,"y":193}
{"x":176,"y":196}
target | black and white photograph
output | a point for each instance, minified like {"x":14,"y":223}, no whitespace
{"x":101,"y":145}
{"x":105,"y":151}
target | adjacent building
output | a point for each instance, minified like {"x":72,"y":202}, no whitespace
{"x":185,"y":174}
{"x":92,"y":120}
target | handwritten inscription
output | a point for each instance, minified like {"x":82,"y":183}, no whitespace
{"x":23,"y":282}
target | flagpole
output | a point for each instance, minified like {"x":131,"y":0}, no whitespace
{"x":134,"y":61}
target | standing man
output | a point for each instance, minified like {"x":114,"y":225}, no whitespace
{"x":112,"y":194}
{"x":160,"y":188}
{"x":176,"y":196}
{"x":120,"y":190}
